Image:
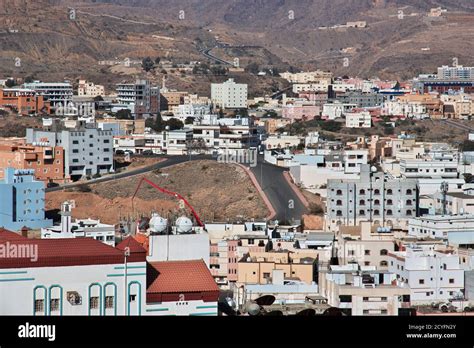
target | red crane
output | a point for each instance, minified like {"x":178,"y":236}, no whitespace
{"x":169,"y":193}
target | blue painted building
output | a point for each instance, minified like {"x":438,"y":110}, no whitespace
{"x":22,"y":201}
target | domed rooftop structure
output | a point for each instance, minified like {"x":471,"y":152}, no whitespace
{"x":184,"y":224}
{"x":158,"y":224}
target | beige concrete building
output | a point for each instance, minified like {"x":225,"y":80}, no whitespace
{"x":257,"y":268}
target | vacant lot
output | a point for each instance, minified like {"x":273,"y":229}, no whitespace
{"x":217,"y":191}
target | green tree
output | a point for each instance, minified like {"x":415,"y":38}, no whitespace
{"x":148,"y":64}
{"x":331,"y":126}
{"x":174,"y":123}
{"x":124,"y":114}
{"x":155,"y":123}
{"x":10,"y":83}
{"x":189,"y":120}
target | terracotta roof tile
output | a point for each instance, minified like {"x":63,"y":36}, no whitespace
{"x":63,"y":252}
{"x":133,"y":244}
{"x":9,"y":235}
{"x":179,"y":277}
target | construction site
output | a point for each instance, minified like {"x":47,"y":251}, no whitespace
{"x":214,"y":191}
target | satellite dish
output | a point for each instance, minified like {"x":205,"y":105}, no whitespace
{"x":184,"y":224}
{"x":309,"y":312}
{"x":266,"y":300}
{"x":157,"y":224}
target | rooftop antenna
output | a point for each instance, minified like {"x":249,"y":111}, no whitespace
{"x":444,"y":191}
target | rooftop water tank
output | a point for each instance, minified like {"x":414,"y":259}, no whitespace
{"x":157,"y":224}
{"x":184,"y":225}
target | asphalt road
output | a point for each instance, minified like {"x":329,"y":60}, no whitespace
{"x":282,"y":197}
{"x":286,"y":203}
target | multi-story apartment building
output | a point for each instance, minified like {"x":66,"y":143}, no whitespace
{"x":363,"y":290}
{"x":22,"y":203}
{"x":89,"y":89}
{"x":373,"y":197}
{"x":46,"y":161}
{"x":140,"y":96}
{"x":56,"y":93}
{"x":432,"y":274}
{"x":87,"y":151}
{"x":456,"y":72}
{"x":230,"y":134}
{"x":308,"y":76}
{"x":24,"y":101}
{"x":428,"y":168}
{"x":256,"y":268}
{"x":358,"y":120}
{"x":456,"y":229}
{"x":229,"y":95}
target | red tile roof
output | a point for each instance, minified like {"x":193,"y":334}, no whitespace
{"x":133,"y":244}
{"x":9,"y":235}
{"x":63,"y":252}
{"x":179,"y":277}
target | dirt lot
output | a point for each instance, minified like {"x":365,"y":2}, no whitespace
{"x":216,"y":191}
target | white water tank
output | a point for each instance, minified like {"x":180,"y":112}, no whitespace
{"x":157,"y":224}
{"x":184,"y":224}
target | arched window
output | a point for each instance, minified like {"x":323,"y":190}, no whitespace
{"x":339,"y":192}
{"x":409,"y":202}
{"x":361,"y":202}
{"x":339,"y":213}
{"x":377,"y":192}
{"x":409,"y":213}
{"x":389,"y":212}
{"x":376,"y":212}
{"x":339,"y":202}
{"x":361,"y":212}
{"x":389,"y":202}
{"x":389,"y":192}
{"x":383,"y":263}
{"x":377,"y":202}
{"x":409,"y":192}
{"x":362,"y":192}
{"x":383,"y":252}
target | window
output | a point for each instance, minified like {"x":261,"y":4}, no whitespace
{"x":339,"y":203}
{"x":451,"y":281}
{"x":409,"y":192}
{"x":377,"y":202}
{"x":361,"y":212}
{"x":109,"y":302}
{"x":345,"y":298}
{"x":132,"y":298}
{"x":94,"y":302}
{"x":365,"y":299}
{"x":389,"y":192}
{"x":365,"y":311}
{"x":377,"y":192}
{"x":376,"y":212}
{"x":339,"y":213}
{"x":251,"y":241}
{"x":54,"y":304}
{"x":383,"y":252}
{"x":362,"y":192}
{"x":383,"y":311}
{"x":367,"y":252}
{"x":39,"y":306}
{"x":339,"y":192}
{"x":266,"y":275}
{"x":75,"y":142}
{"x":409,"y":202}
{"x":383,"y":263}
{"x":389,"y":212}
{"x":389,"y":202}
{"x":421,"y":281}
{"x":361,"y":202}
{"x":409,"y":213}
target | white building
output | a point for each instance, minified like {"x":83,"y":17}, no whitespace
{"x":456,"y":229}
{"x":84,"y":277}
{"x":86,"y":228}
{"x":363,"y":290}
{"x":428,"y":168}
{"x":57,"y":93}
{"x":331,"y":111}
{"x":433,"y":275}
{"x":229,"y":95}
{"x":358,"y":120}
{"x":89,"y":89}
{"x":456,"y":72}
